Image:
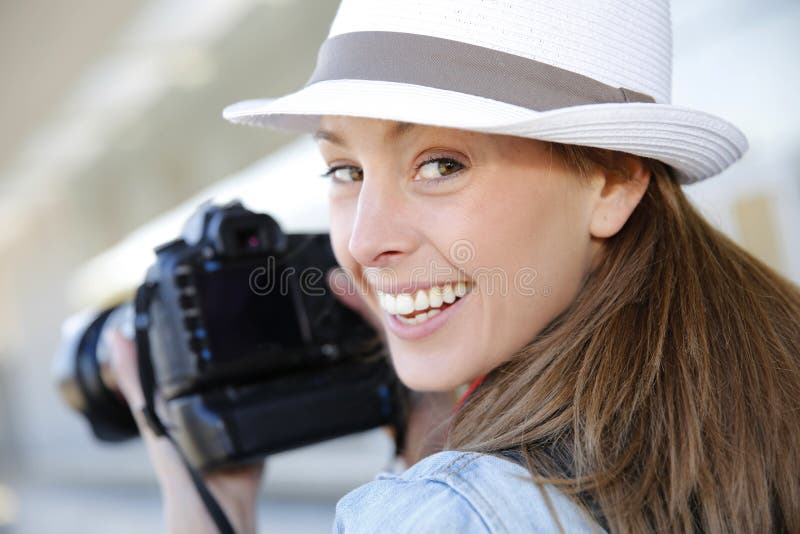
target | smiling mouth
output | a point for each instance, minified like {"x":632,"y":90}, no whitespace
{"x":417,"y":307}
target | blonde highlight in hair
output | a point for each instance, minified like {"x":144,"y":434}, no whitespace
{"x":666,"y":398}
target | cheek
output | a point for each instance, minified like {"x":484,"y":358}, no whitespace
{"x":531,"y":254}
{"x":341,"y":227}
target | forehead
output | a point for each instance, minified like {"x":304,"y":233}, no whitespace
{"x":339,"y":130}
{"x":335,"y":129}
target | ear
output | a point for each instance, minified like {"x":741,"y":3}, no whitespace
{"x":617,"y":193}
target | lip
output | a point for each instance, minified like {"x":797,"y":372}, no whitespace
{"x":417,"y":331}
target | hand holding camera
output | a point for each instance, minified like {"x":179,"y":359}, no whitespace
{"x":235,"y":489}
{"x":241,"y":351}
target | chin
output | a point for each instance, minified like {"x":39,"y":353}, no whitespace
{"x":426,"y":378}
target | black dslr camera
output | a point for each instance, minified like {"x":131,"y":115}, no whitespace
{"x":242,"y":343}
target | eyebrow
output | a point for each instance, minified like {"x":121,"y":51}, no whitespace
{"x":399,"y":129}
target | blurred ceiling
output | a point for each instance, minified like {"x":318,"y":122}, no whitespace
{"x":131,"y":99}
{"x":44,"y":47}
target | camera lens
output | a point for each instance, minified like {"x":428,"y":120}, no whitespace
{"x":84,"y":376}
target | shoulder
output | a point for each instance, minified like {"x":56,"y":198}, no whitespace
{"x":458,"y":492}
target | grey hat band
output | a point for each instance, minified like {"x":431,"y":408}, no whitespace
{"x":465,"y":68}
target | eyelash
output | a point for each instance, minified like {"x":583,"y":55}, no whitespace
{"x":329,"y":173}
{"x":331,"y":170}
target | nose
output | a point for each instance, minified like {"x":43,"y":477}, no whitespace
{"x":382,"y":232}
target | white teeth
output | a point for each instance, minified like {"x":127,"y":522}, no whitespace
{"x":429,"y":299}
{"x":419,"y":318}
{"x":413,"y":320}
{"x":447,"y":294}
{"x":461,"y":289}
{"x":421,"y":300}
{"x":404,"y":304}
{"x":389,"y":303}
{"x":435,"y":297}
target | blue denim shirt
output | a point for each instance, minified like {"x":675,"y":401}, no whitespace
{"x":458,"y":492}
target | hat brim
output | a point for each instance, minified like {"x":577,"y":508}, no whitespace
{"x":696,"y":144}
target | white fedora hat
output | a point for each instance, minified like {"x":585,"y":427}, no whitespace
{"x":570,"y":71}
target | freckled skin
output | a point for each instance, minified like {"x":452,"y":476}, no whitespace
{"x":519,"y":209}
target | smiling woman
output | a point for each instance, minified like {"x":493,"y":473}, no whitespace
{"x":506,"y":197}
{"x":395,"y":218}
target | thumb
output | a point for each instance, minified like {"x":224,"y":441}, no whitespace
{"x":346,"y":290}
{"x":344,"y":287}
{"x":125,"y":367}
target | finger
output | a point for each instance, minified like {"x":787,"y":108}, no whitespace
{"x":235,"y":490}
{"x":125,"y":367}
{"x":344,"y":287}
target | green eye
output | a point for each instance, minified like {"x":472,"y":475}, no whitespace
{"x":345,"y":174}
{"x":439,"y":168}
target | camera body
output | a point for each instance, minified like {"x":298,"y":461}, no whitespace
{"x":249,"y":353}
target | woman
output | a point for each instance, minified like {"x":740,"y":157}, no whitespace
{"x":505,"y":194}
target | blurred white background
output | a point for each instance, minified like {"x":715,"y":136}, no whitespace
{"x":112,"y":132}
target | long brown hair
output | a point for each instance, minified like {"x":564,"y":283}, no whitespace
{"x":666,"y":398}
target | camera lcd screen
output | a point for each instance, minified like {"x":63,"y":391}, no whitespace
{"x":246,"y":316}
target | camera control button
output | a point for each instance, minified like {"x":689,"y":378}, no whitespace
{"x":196,"y":345}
